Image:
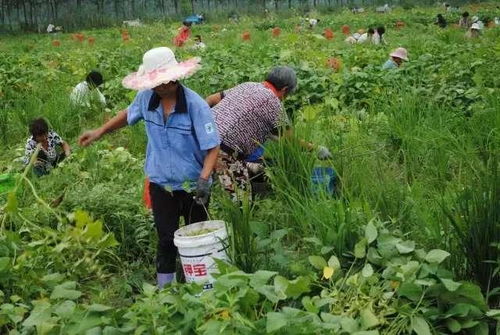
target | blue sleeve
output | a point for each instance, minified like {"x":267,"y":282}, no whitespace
{"x":204,"y":127}
{"x":134,"y":111}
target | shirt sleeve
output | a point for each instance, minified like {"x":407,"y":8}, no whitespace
{"x":56,"y":139}
{"x":29,"y":149}
{"x":205,"y":128}
{"x":134,"y":111}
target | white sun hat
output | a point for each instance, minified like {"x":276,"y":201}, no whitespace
{"x":159,"y":66}
{"x":475,"y":26}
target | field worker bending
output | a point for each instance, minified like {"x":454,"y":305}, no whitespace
{"x":474,"y":31}
{"x":182,"y":149}
{"x":378,"y":36}
{"x":364,"y":37}
{"x":88,"y":91}
{"x":397,"y":57}
{"x":48,"y":157}
{"x":183,"y":34}
{"x":246,"y":116}
{"x":465,"y":21}
{"x":198,"y":44}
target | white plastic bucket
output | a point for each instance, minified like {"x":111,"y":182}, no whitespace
{"x":197,"y":252}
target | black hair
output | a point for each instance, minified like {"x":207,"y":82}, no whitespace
{"x":371,"y":31}
{"x":186,"y":23}
{"x":465,"y":14}
{"x":94,"y":78}
{"x":381,"y":30}
{"x":197,"y":36}
{"x":39,"y":127}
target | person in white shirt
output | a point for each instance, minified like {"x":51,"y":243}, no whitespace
{"x":313,"y":23}
{"x":366,"y":36}
{"x":198,"y":44}
{"x":51,"y":28}
{"x":378,"y":36}
{"x":84,"y":93}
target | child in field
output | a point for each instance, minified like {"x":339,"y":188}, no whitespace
{"x":84,"y":92}
{"x":198,"y":44}
{"x":397,"y":57}
{"x":48,"y":156}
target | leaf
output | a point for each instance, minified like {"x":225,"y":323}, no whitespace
{"x":4,"y":263}
{"x":318,"y":262}
{"x":367,"y":270}
{"x":370,"y":232}
{"x":53,"y":277}
{"x":450,"y":285}
{"x":411,"y":291}
{"x":93,"y":230}
{"x":334,"y":263}
{"x":280,"y":284}
{"x":349,"y":324}
{"x":327,"y":272}
{"x":275,"y":321}
{"x":480,"y":329}
{"x":436,"y":256}
{"x":261,"y":277}
{"x":65,"y":309}
{"x":297,"y":287}
{"x":98,"y":308}
{"x":65,"y":291}
{"x":405,"y":247}
{"x":360,"y":249}
{"x":420,"y":326}
{"x":453,"y":325}
{"x":368,"y":319}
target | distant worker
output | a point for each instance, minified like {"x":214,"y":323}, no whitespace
{"x":475,"y":19}
{"x":51,"y":28}
{"x":474,"y":31}
{"x":87,"y":92}
{"x":48,"y":157}
{"x":366,"y":36}
{"x":183,"y":34}
{"x":441,"y":21}
{"x":353,"y":39}
{"x":198,"y":44}
{"x":465,"y":21}
{"x":312,"y":23}
{"x":378,"y":36}
{"x":397,"y":57}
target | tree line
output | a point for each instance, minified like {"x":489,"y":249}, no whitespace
{"x":35,"y":15}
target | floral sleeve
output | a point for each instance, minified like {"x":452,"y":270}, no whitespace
{"x":55,"y":139}
{"x":29,"y":150}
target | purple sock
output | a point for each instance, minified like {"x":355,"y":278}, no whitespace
{"x":164,"y":279}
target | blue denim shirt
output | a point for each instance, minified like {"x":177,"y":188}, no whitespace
{"x":177,"y":146}
{"x":390,"y":64}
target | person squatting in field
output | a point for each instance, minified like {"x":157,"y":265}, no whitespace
{"x":88,"y":91}
{"x":397,"y":57}
{"x":246,"y":116}
{"x":48,"y":157}
{"x":182,"y":149}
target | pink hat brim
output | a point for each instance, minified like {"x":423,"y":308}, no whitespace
{"x":154,"y":78}
{"x":398,"y":55}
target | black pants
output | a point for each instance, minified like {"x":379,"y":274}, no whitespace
{"x":167,"y":209}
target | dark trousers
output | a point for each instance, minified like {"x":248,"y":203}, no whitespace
{"x":168,"y":207}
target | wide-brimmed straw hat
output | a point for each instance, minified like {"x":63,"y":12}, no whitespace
{"x":475,"y":26}
{"x":159,"y":66}
{"x":400,"y":53}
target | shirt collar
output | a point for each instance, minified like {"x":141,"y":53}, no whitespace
{"x":180,"y":104}
{"x":271,"y":87}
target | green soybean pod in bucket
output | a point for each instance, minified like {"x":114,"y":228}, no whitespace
{"x":199,"y":243}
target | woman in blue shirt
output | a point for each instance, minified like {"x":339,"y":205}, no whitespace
{"x":397,"y":57}
{"x":182,"y":149}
